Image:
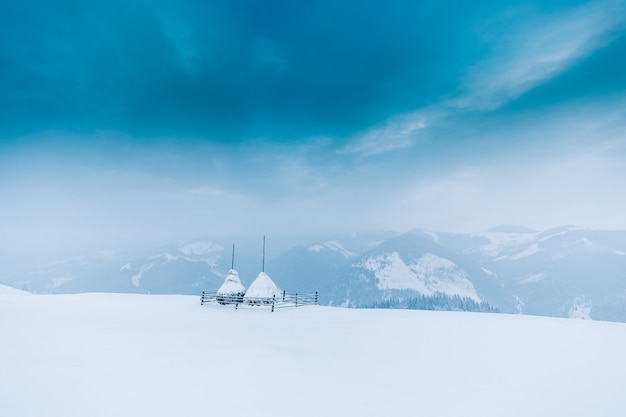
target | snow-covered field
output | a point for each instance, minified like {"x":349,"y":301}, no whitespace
{"x":146,"y":355}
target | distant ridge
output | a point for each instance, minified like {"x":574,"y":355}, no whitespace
{"x":565,"y":271}
{"x":511,"y":228}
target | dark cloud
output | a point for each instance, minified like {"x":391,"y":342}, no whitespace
{"x":221,"y":69}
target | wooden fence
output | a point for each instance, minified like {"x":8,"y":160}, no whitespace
{"x":284,"y":300}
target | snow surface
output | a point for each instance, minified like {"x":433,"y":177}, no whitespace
{"x":5,"y":290}
{"x":232,"y":285}
{"x":262,"y":287}
{"x":102,"y":355}
{"x":428,"y":275}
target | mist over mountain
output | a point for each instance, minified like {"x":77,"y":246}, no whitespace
{"x":562,"y":272}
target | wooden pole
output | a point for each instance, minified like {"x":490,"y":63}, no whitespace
{"x":232,"y":262}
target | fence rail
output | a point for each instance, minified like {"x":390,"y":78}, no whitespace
{"x":284,"y":300}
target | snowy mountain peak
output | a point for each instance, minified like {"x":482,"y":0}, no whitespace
{"x":199,"y":251}
{"x":506,"y":243}
{"x":433,"y":236}
{"x":332,"y":246}
{"x":201,"y":247}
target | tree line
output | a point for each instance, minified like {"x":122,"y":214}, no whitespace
{"x":438,"y":302}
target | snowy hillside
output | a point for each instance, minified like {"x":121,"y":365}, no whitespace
{"x":428,"y":275}
{"x":562,"y":272}
{"x":154,"y":355}
{"x":411,"y":266}
{"x":4,"y":290}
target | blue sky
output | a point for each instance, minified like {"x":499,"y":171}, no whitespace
{"x":136,"y":122}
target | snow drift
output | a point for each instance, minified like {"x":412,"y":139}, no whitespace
{"x":164,"y":355}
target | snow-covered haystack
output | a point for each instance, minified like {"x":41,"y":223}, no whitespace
{"x":262,"y":290}
{"x":232,"y":290}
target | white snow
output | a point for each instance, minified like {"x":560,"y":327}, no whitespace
{"x":203,"y":247}
{"x":488,"y":272}
{"x":103,"y":355}
{"x":332,"y":246}
{"x":534,"y":278}
{"x":560,"y":233}
{"x":581,"y":309}
{"x":232,"y":285}
{"x":529,"y":251}
{"x":6,"y":290}
{"x":618,"y":252}
{"x":519,"y":305}
{"x":168,"y":257}
{"x":428,"y":275}
{"x":136,"y":279}
{"x":262,"y":287}
{"x":501,"y":241}
{"x":434,"y":236}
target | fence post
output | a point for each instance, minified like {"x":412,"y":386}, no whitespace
{"x":315,"y":297}
{"x":273,"y":302}
{"x":283,"y":296}
{"x":296,"y":299}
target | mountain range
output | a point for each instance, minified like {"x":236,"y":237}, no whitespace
{"x":562,"y":272}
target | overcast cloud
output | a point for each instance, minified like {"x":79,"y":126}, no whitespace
{"x":138,"y":122}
